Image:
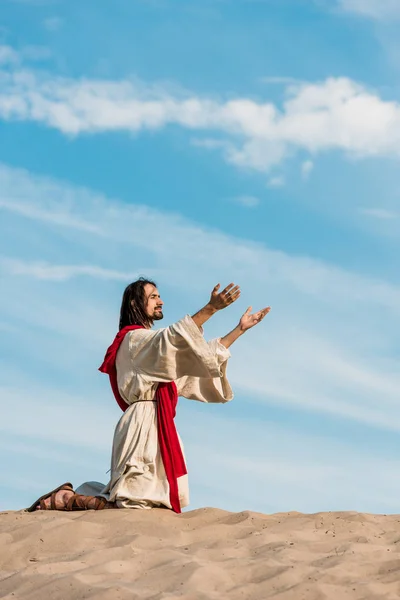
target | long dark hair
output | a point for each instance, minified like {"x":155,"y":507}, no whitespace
{"x":133,"y":311}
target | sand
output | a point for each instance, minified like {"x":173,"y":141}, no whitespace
{"x":202,"y":554}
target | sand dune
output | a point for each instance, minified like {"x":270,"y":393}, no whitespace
{"x":203,"y":554}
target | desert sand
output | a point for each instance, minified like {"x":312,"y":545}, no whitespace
{"x":202,"y":554}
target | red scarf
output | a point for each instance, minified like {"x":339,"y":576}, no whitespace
{"x":167,"y":400}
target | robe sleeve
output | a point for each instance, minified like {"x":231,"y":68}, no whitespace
{"x":209,"y":389}
{"x":177,"y":353}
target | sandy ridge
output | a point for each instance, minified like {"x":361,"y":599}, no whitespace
{"x":202,"y":554}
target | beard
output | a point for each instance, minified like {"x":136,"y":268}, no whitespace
{"x":158,"y":315}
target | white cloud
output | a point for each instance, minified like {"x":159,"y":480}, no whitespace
{"x":281,"y":469}
{"x":53,"y":23}
{"x":35,"y":53}
{"x":337,"y":113}
{"x":8,"y":55}
{"x":276,"y":182}
{"x":314,"y":353}
{"x":281,"y":80}
{"x":58,"y":217}
{"x":48,"y":408}
{"x":380,"y":213}
{"x":306,"y":169}
{"x":247,"y":201}
{"x":375,"y":9}
{"x":209,"y":143}
{"x":44,"y":270}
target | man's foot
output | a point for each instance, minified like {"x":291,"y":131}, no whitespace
{"x":57,"y":501}
{"x":80,"y":502}
{"x":64,"y":498}
{"x":48,"y":501}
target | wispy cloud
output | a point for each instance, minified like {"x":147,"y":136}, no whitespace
{"x":50,"y":272}
{"x":247,"y":201}
{"x":273,"y":461}
{"x":10,"y":56}
{"x":35,"y":53}
{"x":276,"y":182}
{"x":281,"y":80}
{"x":314,"y":353}
{"x":308,"y":472}
{"x":61,"y":217}
{"x":380,"y":213}
{"x":306,"y":169}
{"x":374,"y":9}
{"x":53,"y":23}
{"x":337,"y":113}
{"x":48,"y":407}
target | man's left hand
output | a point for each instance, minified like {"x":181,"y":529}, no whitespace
{"x":248,"y":320}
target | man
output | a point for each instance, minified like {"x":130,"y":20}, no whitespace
{"x":148,"y":370}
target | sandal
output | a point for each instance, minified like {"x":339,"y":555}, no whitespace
{"x":52,"y":495}
{"x":79,"y":502}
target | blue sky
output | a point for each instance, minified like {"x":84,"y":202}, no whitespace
{"x":197,"y":142}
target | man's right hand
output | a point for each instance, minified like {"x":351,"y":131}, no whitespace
{"x":228,"y":296}
{"x":218,"y":301}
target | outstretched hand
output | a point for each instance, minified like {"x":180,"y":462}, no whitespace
{"x":248,"y":320}
{"x":220,"y":300}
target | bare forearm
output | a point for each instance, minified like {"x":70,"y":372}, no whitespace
{"x":247,"y":321}
{"x":231,"y":337}
{"x":203,"y":315}
{"x":218,"y":301}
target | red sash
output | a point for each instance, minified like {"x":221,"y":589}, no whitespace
{"x":167,"y":400}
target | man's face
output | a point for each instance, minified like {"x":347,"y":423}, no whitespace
{"x":154,"y":303}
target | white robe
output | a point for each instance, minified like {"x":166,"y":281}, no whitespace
{"x":145,"y":358}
